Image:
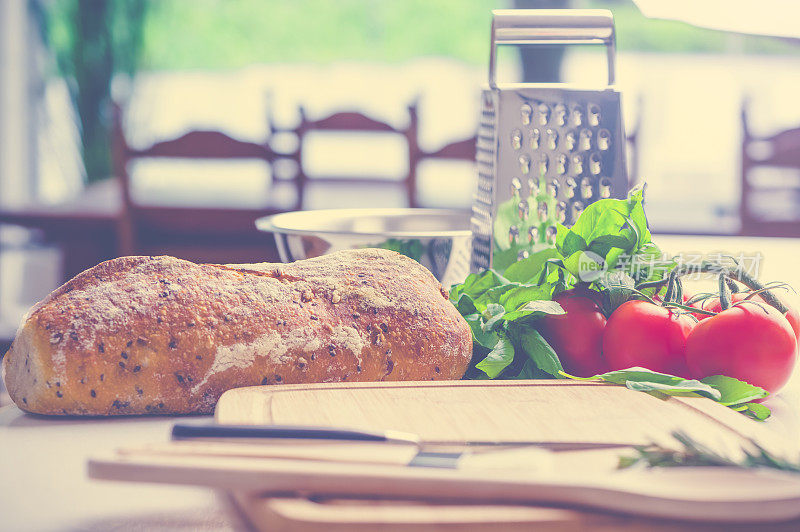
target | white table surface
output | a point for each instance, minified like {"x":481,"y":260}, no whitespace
{"x":43,"y":482}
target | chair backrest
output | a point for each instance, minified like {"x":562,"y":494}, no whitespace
{"x":354,"y":122}
{"x":197,"y":145}
{"x":780,"y":151}
{"x":459,"y":150}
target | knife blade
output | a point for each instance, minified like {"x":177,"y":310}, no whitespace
{"x":452,"y":455}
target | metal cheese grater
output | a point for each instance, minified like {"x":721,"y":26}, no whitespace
{"x":544,"y":151}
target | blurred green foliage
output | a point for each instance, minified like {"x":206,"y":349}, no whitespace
{"x":222,"y":34}
{"x":92,"y":40}
{"x":235,"y":33}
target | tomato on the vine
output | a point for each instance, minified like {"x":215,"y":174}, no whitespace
{"x":640,"y":333}
{"x":750,"y":341}
{"x":712,"y":304}
{"x":577,"y":336}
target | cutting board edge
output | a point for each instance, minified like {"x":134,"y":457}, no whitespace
{"x":274,"y":389}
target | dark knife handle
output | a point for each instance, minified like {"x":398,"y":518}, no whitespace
{"x":189,"y":432}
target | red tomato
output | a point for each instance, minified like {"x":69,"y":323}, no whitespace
{"x":713,"y":304}
{"x":793,"y":317}
{"x":577,"y":336}
{"x":792,"y":302}
{"x":751,"y":341}
{"x":640,"y":333}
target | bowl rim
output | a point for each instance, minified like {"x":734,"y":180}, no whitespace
{"x":271,"y":223}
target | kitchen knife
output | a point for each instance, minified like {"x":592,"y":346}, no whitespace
{"x":276,"y":440}
{"x":293,"y":432}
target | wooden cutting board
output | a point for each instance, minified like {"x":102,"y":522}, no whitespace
{"x":570,"y":414}
{"x":353,"y":515}
{"x":547,"y":411}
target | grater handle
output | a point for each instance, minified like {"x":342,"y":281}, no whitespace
{"x":552,"y":26}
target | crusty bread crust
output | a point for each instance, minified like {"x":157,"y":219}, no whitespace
{"x":160,"y":335}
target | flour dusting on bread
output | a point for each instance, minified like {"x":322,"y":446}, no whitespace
{"x":139,"y":335}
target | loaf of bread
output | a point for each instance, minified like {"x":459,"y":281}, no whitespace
{"x":160,"y":335}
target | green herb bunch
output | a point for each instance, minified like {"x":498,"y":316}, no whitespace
{"x":608,"y":249}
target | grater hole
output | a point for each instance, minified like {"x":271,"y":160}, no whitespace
{"x":550,"y":234}
{"x":544,"y":114}
{"x":586,"y":188}
{"x":561,"y":164}
{"x":552,"y":188}
{"x":570,"y":139}
{"x":544,"y":163}
{"x":586,"y":140}
{"x":523,"y":254}
{"x":594,"y":163}
{"x":541,"y":211}
{"x":560,"y":114}
{"x":561,"y":212}
{"x":516,"y":139}
{"x":605,"y":188}
{"x":577,"y":165}
{"x":577,"y":116}
{"x":535,"y":136}
{"x":516,"y":186}
{"x":533,"y":235}
{"x":524,"y":164}
{"x":603,"y":139}
{"x":552,"y":139}
{"x":525,"y":113}
{"x":594,"y":115}
{"x":570,"y":186}
{"x":523,"y":209}
{"x":577,"y":209}
{"x":513,"y":234}
{"x":533,"y":187}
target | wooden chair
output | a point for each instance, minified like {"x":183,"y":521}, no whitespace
{"x":204,"y":233}
{"x":460,"y":151}
{"x":779,"y":152}
{"x":356,"y":122}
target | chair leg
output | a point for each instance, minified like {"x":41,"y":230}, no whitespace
{"x":126,"y":236}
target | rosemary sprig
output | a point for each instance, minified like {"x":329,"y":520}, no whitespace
{"x":694,"y":453}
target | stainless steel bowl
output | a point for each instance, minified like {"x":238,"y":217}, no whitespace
{"x":439,"y":239}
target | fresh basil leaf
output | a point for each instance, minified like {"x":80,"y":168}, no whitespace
{"x":617,"y":287}
{"x":534,"y":309}
{"x":530,"y":371}
{"x":756,"y":411}
{"x":498,"y":358}
{"x":483,"y":338}
{"x":466,"y":305}
{"x":527,"y":270}
{"x":611,"y":223}
{"x":637,"y":374}
{"x":734,"y":391}
{"x":647,"y":264}
{"x":585,"y":265}
{"x":637,"y":216}
{"x":493,"y":316}
{"x":538,"y":350}
{"x":492,"y":296}
{"x":614,"y":241}
{"x":725,"y":390}
{"x":505,"y":258}
{"x":573,"y":242}
{"x":616,"y":279}
{"x":477,"y":283}
{"x":684,"y":387}
{"x":518,"y":296}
